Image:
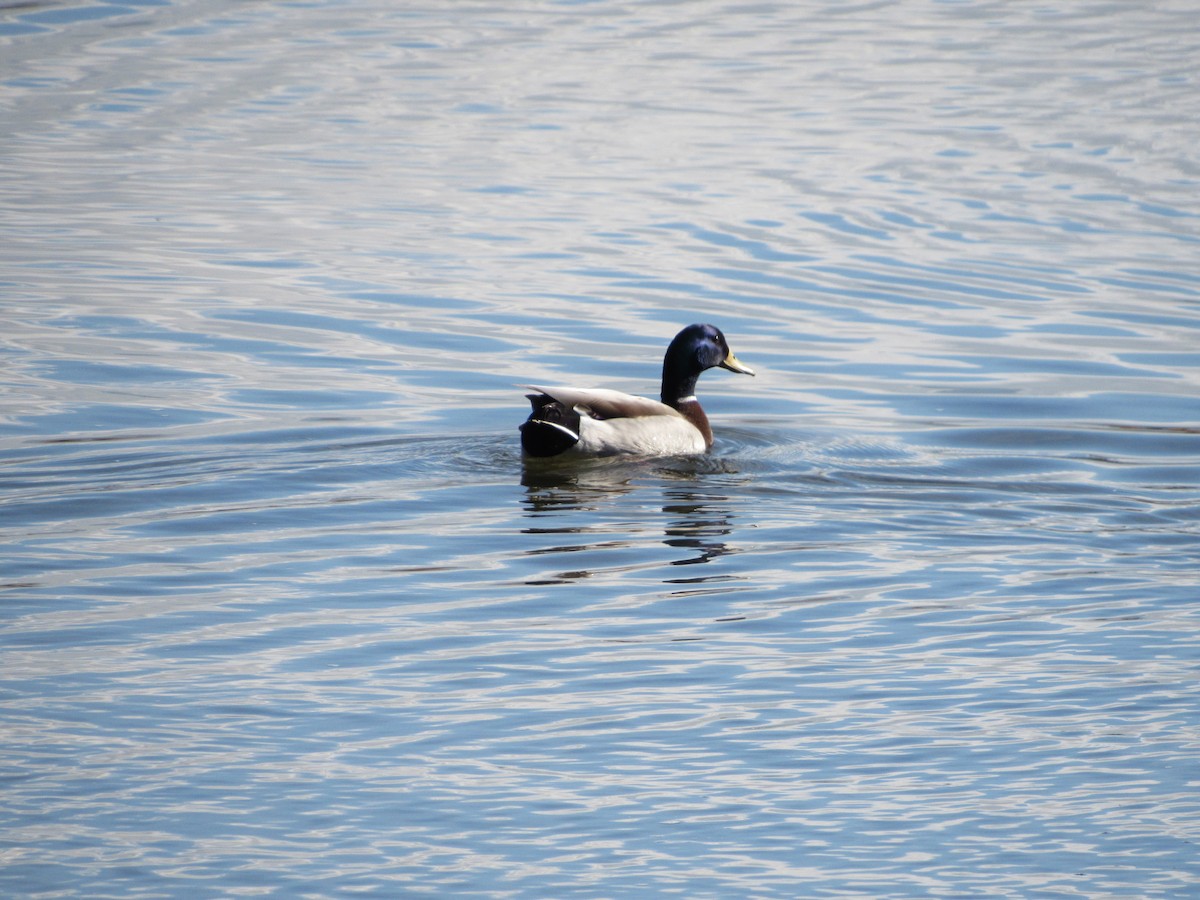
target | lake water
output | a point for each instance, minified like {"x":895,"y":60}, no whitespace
{"x":284,"y":614}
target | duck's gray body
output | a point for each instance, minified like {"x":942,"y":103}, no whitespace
{"x":599,"y":422}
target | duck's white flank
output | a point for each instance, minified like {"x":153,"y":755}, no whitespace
{"x":612,"y":422}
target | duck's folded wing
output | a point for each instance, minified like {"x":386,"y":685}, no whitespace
{"x":600,"y":403}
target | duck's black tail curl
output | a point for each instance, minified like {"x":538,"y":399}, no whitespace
{"x":551,"y":428}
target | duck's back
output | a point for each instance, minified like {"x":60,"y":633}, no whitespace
{"x":601,"y":403}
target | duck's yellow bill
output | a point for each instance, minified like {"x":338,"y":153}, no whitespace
{"x":733,"y":365}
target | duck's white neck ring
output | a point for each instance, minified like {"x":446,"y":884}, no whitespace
{"x":690,"y":398}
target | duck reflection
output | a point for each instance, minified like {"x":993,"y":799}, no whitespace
{"x":599,"y":512}
{"x":698,"y":524}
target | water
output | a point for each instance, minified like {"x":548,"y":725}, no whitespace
{"x":283,"y":612}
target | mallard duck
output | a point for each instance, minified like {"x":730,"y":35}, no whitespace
{"x":569,"y":421}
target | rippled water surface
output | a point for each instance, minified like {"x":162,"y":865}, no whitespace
{"x":285,"y":614}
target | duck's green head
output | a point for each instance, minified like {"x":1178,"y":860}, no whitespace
{"x":696,"y":348}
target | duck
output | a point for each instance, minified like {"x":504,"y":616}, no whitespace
{"x":588,"y":422}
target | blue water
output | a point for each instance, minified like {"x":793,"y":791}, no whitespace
{"x":283,"y":612}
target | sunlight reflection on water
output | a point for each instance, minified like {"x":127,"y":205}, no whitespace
{"x":286,"y":612}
